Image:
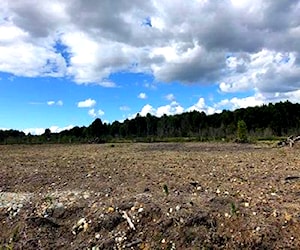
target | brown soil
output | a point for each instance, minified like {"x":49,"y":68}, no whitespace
{"x":149,"y":196}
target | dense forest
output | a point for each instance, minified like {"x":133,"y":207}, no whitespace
{"x":252,"y":123}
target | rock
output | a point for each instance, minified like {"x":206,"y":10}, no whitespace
{"x":291,"y":178}
{"x":81,"y":225}
{"x":56,"y":210}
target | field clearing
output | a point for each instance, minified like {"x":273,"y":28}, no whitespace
{"x":149,"y":196}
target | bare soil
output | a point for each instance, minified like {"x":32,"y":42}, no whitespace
{"x":149,"y":196}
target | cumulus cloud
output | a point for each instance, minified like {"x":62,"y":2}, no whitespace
{"x":170,"y":109}
{"x":53,"y":129}
{"x":147,"y":109}
{"x":202,"y":107}
{"x":266,"y":71}
{"x":88,"y":103}
{"x":236,"y":103}
{"x":142,"y":96}
{"x":238,"y":45}
{"x":94,"y":113}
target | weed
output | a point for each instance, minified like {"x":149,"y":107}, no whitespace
{"x":233,"y":208}
{"x":49,"y":199}
{"x":166,"y":189}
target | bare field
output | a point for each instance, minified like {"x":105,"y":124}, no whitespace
{"x":149,"y":196}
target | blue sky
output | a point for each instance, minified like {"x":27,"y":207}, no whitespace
{"x":65,"y":63}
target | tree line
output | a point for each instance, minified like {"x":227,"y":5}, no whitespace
{"x":266,"y":122}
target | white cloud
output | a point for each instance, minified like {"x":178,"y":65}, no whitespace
{"x":88,"y":103}
{"x":170,"y":109}
{"x":100,"y":112}
{"x":147,"y":109}
{"x":250,"y":45}
{"x":4,"y":128}
{"x":34,"y":131}
{"x":57,"y":129}
{"x":265,"y":71}
{"x":58,"y":103}
{"x":50,"y":103}
{"x":39,"y":131}
{"x":142,"y":96}
{"x":170,"y":97}
{"x":107,"y":84}
{"x":245,"y":102}
{"x":93,"y":113}
{"x":202,"y":107}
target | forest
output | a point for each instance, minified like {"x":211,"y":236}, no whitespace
{"x":264,"y":122}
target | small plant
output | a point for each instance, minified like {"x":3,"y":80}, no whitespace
{"x":166,"y":190}
{"x":49,"y":199}
{"x":233,"y":208}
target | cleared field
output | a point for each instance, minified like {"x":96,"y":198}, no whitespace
{"x":149,"y":196}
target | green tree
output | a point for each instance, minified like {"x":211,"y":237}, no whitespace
{"x":242,"y":132}
{"x":47,"y":134}
{"x":96,"y":129}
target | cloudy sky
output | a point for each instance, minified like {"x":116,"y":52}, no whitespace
{"x":65,"y":62}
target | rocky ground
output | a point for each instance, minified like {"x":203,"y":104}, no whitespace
{"x":149,"y":196}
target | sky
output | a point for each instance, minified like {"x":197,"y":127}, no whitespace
{"x":64,"y":63}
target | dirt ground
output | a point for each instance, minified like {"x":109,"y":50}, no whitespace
{"x":149,"y":196}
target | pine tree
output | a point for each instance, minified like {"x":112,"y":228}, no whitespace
{"x":242,"y":132}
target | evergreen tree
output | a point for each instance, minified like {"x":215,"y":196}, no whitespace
{"x":242,"y":132}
